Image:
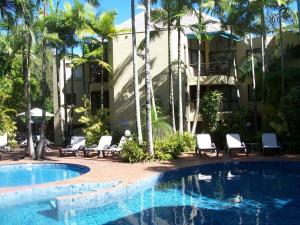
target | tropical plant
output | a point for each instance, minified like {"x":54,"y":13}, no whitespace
{"x":210,"y":109}
{"x":95,"y":126}
{"x":172,"y":146}
{"x":134,"y":152}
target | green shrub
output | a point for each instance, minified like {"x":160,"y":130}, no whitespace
{"x":134,"y":152}
{"x":172,"y":146}
{"x":210,"y":109}
{"x":94,"y":125}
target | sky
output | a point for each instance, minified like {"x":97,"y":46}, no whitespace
{"x":122,"y":7}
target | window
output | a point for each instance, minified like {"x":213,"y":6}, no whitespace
{"x":71,"y":99}
{"x":96,"y":72}
{"x":78,"y":72}
{"x":96,"y":101}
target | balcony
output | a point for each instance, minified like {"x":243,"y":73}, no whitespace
{"x":227,"y":106}
{"x":212,"y":69}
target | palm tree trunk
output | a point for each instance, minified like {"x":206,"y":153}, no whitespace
{"x":58,"y":64}
{"x":171,"y":79}
{"x":263,"y":60}
{"x":197,"y":107}
{"x":26,"y":74}
{"x":136,"y":77}
{"x":233,"y":56}
{"x":154,"y":111}
{"x":65,"y":103}
{"x":41,"y":144}
{"x":148,"y":81}
{"x":180,"y":110}
{"x":253,"y":84}
{"x":281,"y":52}
{"x":298,"y":6}
{"x":102,"y":85}
{"x":73,"y":100}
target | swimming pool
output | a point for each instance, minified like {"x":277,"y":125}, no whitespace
{"x":256,"y":193}
{"x":29,"y":174}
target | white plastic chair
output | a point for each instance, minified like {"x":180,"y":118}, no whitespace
{"x":3,"y":141}
{"x":269,"y":142}
{"x":234,"y":142}
{"x":104,"y":143}
{"x":116,"y":148}
{"x":204,"y":143}
{"x":77,"y":143}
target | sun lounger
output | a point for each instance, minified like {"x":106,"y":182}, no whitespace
{"x":4,"y":143}
{"x":204,"y":143}
{"x":115,"y":148}
{"x":234,"y":142}
{"x":104,"y":143}
{"x":77,"y":143}
{"x":269,"y":142}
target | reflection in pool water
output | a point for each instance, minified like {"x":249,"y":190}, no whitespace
{"x":250,"y":198}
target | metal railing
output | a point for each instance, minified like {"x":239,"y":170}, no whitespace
{"x":226,"y":106}
{"x":212,"y":68}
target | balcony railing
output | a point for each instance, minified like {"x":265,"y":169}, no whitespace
{"x":212,"y":68}
{"x":226,"y":106}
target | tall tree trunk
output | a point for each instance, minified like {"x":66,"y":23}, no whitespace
{"x":281,"y":52}
{"x":73,"y":100}
{"x":298,"y":6}
{"x":136,"y":77}
{"x":233,"y":57}
{"x":65,"y":103}
{"x":187,"y":103}
{"x":102,"y":83}
{"x":148,"y":81}
{"x":253,"y":84}
{"x":26,"y":75}
{"x":197,"y":107}
{"x":154,"y":111}
{"x":170,"y":72}
{"x":263,"y":60}
{"x":58,"y":65}
{"x":180,"y":110}
{"x":41,"y":145}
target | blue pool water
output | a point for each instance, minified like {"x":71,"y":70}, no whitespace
{"x":29,"y":174}
{"x":261,"y":193}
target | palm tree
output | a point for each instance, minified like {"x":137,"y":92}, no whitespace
{"x":298,"y":6}
{"x":148,"y":80}
{"x":182,"y":8}
{"x":199,"y":33}
{"x":135,"y":76}
{"x":46,"y":39}
{"x":166,"y":16}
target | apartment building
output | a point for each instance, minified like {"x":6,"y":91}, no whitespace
{"x":118,"y":90}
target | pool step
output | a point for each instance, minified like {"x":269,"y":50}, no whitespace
{"x":52,"y":203}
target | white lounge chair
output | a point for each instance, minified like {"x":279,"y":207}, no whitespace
{"x":77,"y":143}
{"x":204,"y":143}
{"x":115,"y":148}
{"x":104,"y":143}
{"x":234,"y":142}
{"x":269,"y":142}
{"x":4,"y":143}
